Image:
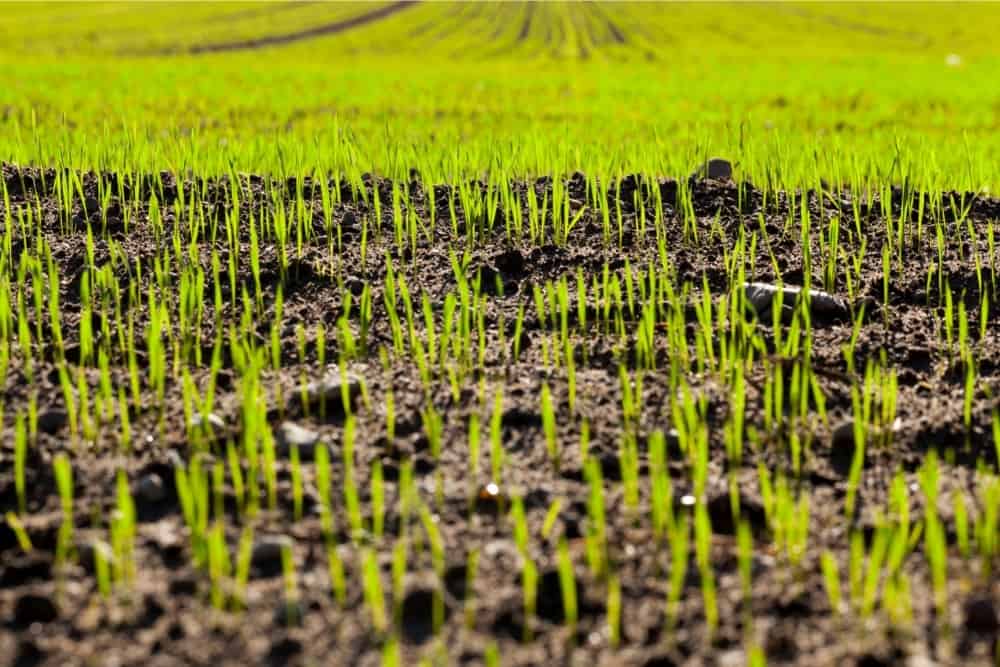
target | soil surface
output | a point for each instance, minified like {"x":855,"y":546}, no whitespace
{"x":51,"y":611}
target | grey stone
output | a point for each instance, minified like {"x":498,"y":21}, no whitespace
{"x":211,"y":419}
{"x":501,"y":550}
{"x":762,"y":296}
{"x":329,"y":389}
{"x":290,"y":433}
{"x":843,"y":435}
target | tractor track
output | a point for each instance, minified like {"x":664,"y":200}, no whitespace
{"x":299,"y":35}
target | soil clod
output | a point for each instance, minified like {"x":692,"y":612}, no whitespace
{"x":724,"y":522}
{"x":289,"y":614}
{"x":32,"y":608}
{"x":267,"y":554}
{"x":24,"y":569}
{"x":52,"y":421}
{"x":418,"y":615}
{"x":29,"y":654}
{"x":981,"y":615}
{"x":715,"y":168}
{"x":551,"y":605}
{"x":283,"y":649}
{"x":149,"y":490}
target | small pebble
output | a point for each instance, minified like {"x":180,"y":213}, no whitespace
{"x":500,"y":548}
{"x":843,"y":435}
{"x":213,"y":420}
{"x":329,"y":387}
{"x":290,"y":433}
{"x":490,"y":499}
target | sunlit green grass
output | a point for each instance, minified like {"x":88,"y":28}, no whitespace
{"x":789,"y":93}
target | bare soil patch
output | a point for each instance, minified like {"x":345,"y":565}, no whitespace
{"x":54,"y":615}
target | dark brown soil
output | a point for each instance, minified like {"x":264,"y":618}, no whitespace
{"x":55,"y":616}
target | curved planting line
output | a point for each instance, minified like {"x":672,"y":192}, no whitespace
{"x":856,"y":26}
{"x":308,"y":33}
{"x":522,"y":35}
{"x":616,"y":32}
{"x":515,"y":21}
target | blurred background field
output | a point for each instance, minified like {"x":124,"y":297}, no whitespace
{"x":790,"y":92}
